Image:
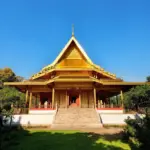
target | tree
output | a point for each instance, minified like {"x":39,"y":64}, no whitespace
{"x":148,"y":79}
{"x":137,"y":130}
{"x":19,"y":78}
{"x":7,"y":75}
{"x":139,"y":95}
{"x":1,"y":84}
{"x":10,"y":95}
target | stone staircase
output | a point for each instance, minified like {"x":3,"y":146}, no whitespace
{"x":75,"y":117}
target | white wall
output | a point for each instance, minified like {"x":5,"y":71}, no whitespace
{"x":107,"y":111}
{"x":32,"y":120}
{"x":115,"y":119}
{"x":39,"y":112}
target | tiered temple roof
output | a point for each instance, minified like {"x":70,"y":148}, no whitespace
{"x":92,"y":67}
{"x":73,"y":65}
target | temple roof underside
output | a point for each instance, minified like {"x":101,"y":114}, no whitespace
{"x":99,"y":84}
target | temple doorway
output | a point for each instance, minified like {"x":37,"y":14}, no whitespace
{"x":73,"y":98}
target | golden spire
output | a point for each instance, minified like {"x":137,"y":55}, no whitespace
{"x":72,"y":30}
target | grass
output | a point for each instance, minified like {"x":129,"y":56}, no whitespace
{"x":63,"y":140}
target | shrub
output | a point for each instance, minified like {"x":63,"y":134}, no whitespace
{"x":137,"y":132}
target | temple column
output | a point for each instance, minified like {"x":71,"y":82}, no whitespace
{"x":27,"y":93}
{"x":80,"y":99}
{"x":39,"y":101}
{"x":121,"y":95}
{"x":30,"y":100}
{"x":66,"y":99}
{"x":109,"y":102}
{"x":53,"y":97}
{"x":94,"y":97}
{"x":117,"y":100}
{"x":36,"y":99}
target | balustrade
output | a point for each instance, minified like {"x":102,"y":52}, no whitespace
{"x":103,"y":104}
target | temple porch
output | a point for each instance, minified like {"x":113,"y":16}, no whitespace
{"x":82,"y":98}
{"x":52,"y":96}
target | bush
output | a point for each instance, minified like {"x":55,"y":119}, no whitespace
{"x":137,"y":132}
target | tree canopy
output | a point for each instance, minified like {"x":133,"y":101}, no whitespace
{"x":7,"y":75}
{"x":137,"y":96}
{"x":148,"y":79}
{"x":10,"y":94}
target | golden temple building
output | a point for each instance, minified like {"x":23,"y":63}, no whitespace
{"x":72,"y":80}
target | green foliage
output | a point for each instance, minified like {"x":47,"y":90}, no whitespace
{"x":9,"y":95}
{"x":137,"y":96}
{"x":7,"y":75}
{"x":138,"y":132}
{"x":115,"y":100}
{"x":19,"y":78}
{"x":148,"y":79}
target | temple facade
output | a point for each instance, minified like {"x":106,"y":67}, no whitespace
{"x":73,"y":80}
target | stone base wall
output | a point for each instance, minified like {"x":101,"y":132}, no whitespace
{"x":32,"y":119}
{"x":110,"y":110}
{"x":116,"y":119}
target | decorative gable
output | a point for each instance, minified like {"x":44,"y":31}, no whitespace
{"x":74,"y":54}
{"x":72,"y":58}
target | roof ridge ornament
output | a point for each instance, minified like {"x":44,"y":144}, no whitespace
{"x":72,"y":29}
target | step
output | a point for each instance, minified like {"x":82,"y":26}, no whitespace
{"x":77,"y":118}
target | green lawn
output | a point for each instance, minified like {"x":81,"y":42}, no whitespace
{"x":64,"y":140}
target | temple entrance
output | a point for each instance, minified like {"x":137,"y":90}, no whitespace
{"x":45,"y":100}
{"x":73,"y":98}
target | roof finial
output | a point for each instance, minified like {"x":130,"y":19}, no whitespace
{"x":72,"y":29}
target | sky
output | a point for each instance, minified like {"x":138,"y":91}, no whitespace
{"x":114,"y":33}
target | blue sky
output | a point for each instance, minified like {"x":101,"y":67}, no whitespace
{"x":114,"y":33}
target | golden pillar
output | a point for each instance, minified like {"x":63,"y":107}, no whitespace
{"x":30,"y":100}
{"x":36,"y":100}
{"x":39,"y":101}
{"x":53,"y":97}
{"x":94,"y":97}
{"x":66,"y":99}
{"x":27,"y":93}
{"x":121,"y":96}
{"x":80,"y":99}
